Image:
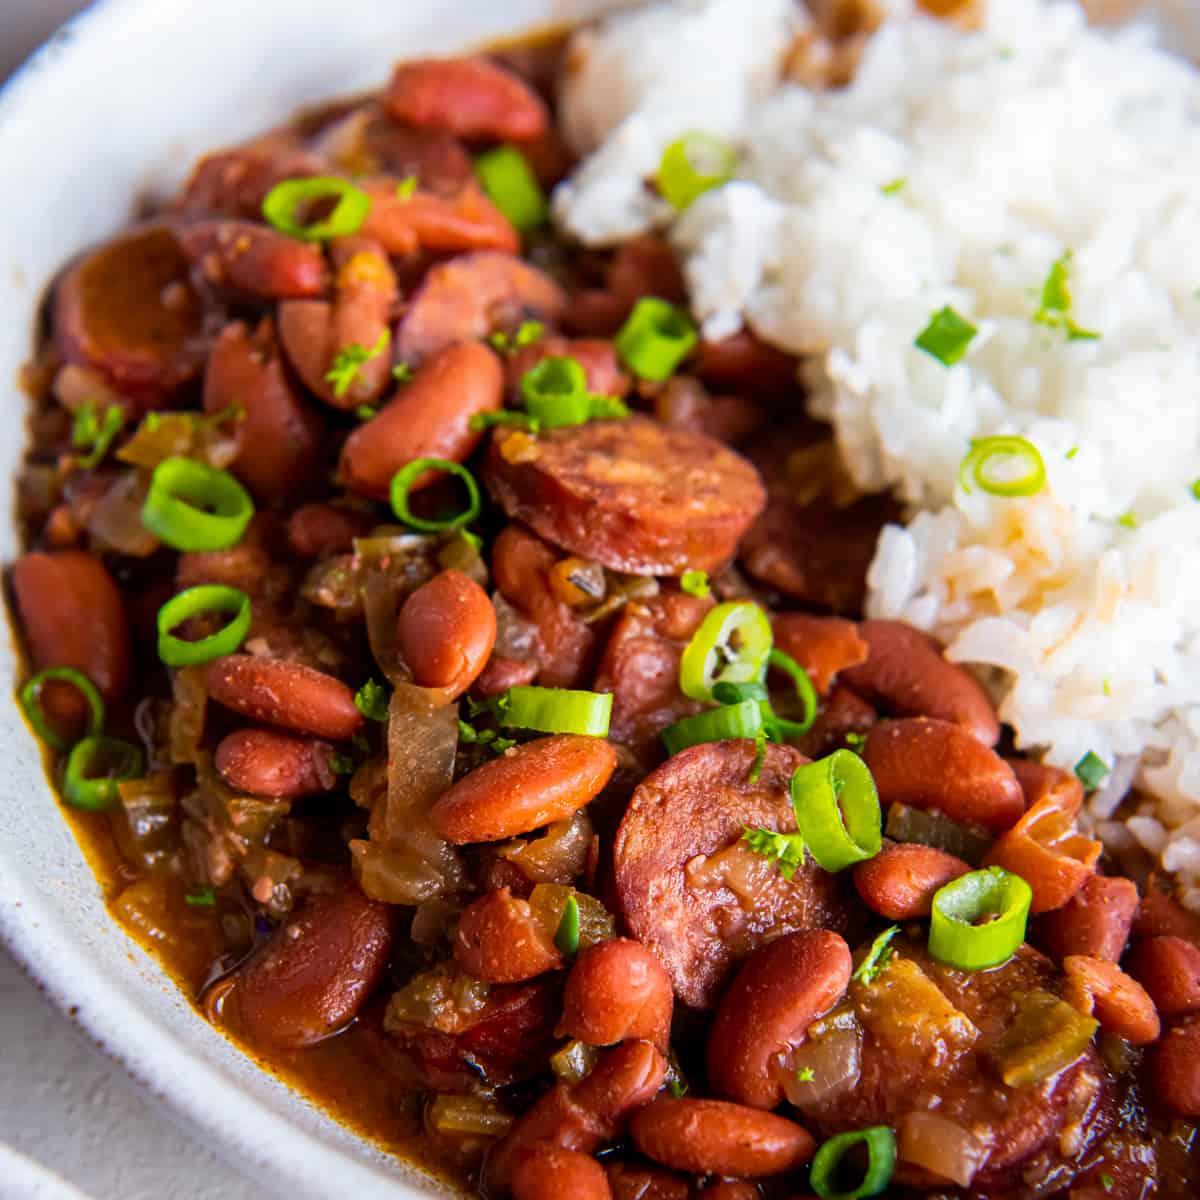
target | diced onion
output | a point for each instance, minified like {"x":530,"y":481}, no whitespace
{"x":943,"y":1147}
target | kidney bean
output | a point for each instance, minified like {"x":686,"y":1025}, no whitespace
{"x":597,"y":357}
{"x":445,"y":631}
{"x":843,"y":713}
{"x":316,"y":972}
{"x":499,"y":940}
{"x":617,"y":990}
{"x":1169,"y":969}
{"x":899,"y":883}
{"x":730,"y":1189}
{"x":527,"y":787}
{"x":547,"y":1172}
{"x":73,"y":616}
{"x":631,"y":1181}
{"x":430,"y":418}
{"x":323,"y":530}
{"x":1039,"y":782}
{"x":425,"y":221}
{"x":254,"y":259}
{"x":1174,"y":1068}
{"x":743,"y":364}
{"x":314,"y":332}
{"x":266,"y":763}
{"x":684,"y":403}
{"x":582,"y":1116}
{"x":778,"y":992}
{"x":645,"y":266}
{"x":284,"y":693}
{"x":234,"y":183}
{"x":1118,"y":1002}
{"x":128,"y":310}
{"x":928,"y":763}
{"x":243,"y":566}
{"x":594,"y":312}
{"x":715,"y":1137}
{"x":279,"y":436}
{"x":1095,"y":921}
{"x":907,"y":674}
{"x":468,"y":97}
{"x":1161,"y":915}
{"x":823,"y":646}
{"x":502,"y":673}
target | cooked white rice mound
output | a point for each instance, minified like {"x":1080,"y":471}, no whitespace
{"x":956,"y":170}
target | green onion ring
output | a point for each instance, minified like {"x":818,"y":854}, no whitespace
{"x":556,"y":710}
{"x":655,"y":339}
{"x":956,"y":940}
{"x":837,"y":810}
{"x":180,"y":491}
{"x":555,"y":392}
{"x":30,"y":697}
{"x":701,"y":665}
{"x":880,"y":1142}
{"x":176,"y":652}
{"x":566,"y":936}
{"x":83,"y":790}
{"x":693,"y":165}
{"x":996,"y":450}
{"x":742,"y":720}
{"x":804,"y":689}
{"x":512,"y":187}
{"x":284,"y":200}
{"x":403,"y":480}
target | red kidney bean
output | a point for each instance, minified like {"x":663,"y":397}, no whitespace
{"x":1174,"y":1069}
{"x":502,"y":673}
{"x":1095,"y":921}
{"x":594,"y":312}
{"x":684,"y":403}
{"x":254,"y":259}
{"x":279,"y":436}
{"x":927,"y":763}
{"x":1169,"y":969}
{"x":645,"y":266}
{"x":730,"y":1189}
{"x":425,"y":221}
{"x":743,"y":364}
{"x":468,"y":97}
{"x":316,"y":972}
{"x":1161,"y":915}
{"x":527,"y":787}
{"x":1039,"y":781}
{"x":445,"y":631}
{"x":547,"y":1172}
{"x":1119,"y":1003}
{"x":597,"y":357}
{"x":284,"y":693}
{"x":243,"y":566}
{"x":234,"y":183}
{"x":323,"y":530}
{"x":631,"y":1181}
{"x":499,"y":940}
{"x":582,"y":1116}
{"x":778,"y":992}
{"x":617,"y":990}
{"x":823,"y":646}
{"x":430,"y":418}
{"x":266,"y":763}
{"x":899,"y":883}
{"x":843,"y":713}
{"x":73,"y":616}
{"x":715,"y":1137}
{"x":907,"y":674}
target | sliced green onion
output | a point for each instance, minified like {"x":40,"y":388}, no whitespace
{"x":1196,"y":490}
{"x":403,"y":480}
{"x":827,"y":1164}
{"x":726,"y":692}
{"x":402,"y":372}
{"x":998,"y":898}
{"x":555,"y":394}
{"x":206,"y":598}
{"x":372,"y":701}
{"x":693,"y":165}
{"x":742,"y":720}
{"x":946,"y":337}
{"x":1090,"y":770}
{"x":566,"y":936}
{"x":837,"y":810}
{"x":204,"y":898}
{"x":695,"y":583}
{"x":786,"y":850}
{"x":512,"y":187}
{"x":894,"y":187}
{"x":1055,"y":308}
{"x":116,"y":759}
{"x":877,"y":957}
{"x":192,"y":506}
{"x":406,"y":188}
{"x":31,"y":703}
{"x":556,"y":710}
{"x":485,"y":420}
{"x":655,"y":339}
{"x":991,"y":461}
{"x":732,"y":645}
{"x":285,"y":200}
{"x":760,"y":757}
{"x":804,"y":689}
{"x":88,"y":431}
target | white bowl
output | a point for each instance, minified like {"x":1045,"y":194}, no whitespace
{"x":119,"y":104}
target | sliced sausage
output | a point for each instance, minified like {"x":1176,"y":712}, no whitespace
{"x":690,"y":889}
{"x":1095,"y":921}
{"x":617,"y":990}
{"x":630,"y":494}
{"x":315,"y":973}
{"x":445,"y":632}
{"x":264,"y":762}
{"x":468,"y":297}
{"x":900,"y":882}
{"x":254,"y":259}
{"x":127,"y":310}
{"x":430,"y":418}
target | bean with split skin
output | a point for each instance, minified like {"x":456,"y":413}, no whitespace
{"x":445,"y":631}
{"x":284,"y":693}
{"x":823,"y":646}
{"x":617,"y":990}
{"x":1118,"y":1001}
{"x":1095,"y":921}
{"x":530,"y":786}
{"x":264,"y":762}
{"x":406,"y":225}
{"x":548,"y":1172}
{"x":254,"y":259}
{"x":639,"y":1181}
{"x":899,"y":883}
{"x":1169,"y":969}
{"x":499,"y":940}
{"x":779,"y":991}
{"x":716,"y":1137}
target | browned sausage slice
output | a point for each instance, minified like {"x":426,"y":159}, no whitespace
{"x":689,"y":888}
{"x":631,"y":494}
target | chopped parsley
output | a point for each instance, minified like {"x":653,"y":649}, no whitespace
{"x":204,"y":898}
{"x":806,"y":1075}
{"x":1196,"y":490}
{"x":1090,"y":770}
{"x":1074,"y":450}
{"x":760,"y":756}
{"x":1055,"y":308}
{"x":484,"y":737}
{"x":946,"y":337}
{"x":1128,"y":520}
{"x":402,"y":372}
{"x":695,"y":583}
{"x":372,"y":701}
{"x":341,"y":764}
{"x":348,"y":362}
{"x":894,"y":187}
{"x":364,"y":412}
{"x":406,"y":187}
{"x":95,"y":433}
{"x":854,"y":741}
{"x":1107,"y":1182}
{"x":877,"y":957}
{"x":678,"y":1088}
{"x":786,"y":850}
{"x":527,"y":333}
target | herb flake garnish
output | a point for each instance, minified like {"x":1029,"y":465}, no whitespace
{"x":1091,"y":770}
{"x":349,"y":360}
{"x":372,"y":701}
{"x":946,"y":337}
{"x":786,"y":850}
{"x":695,"y":583}
{"x":1055,"y":308}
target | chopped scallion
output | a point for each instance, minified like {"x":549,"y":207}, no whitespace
{"x":946,"y":337}
{"x":742,"y":720}
{"x":206,"y":598}
{"x":1091,"y":770}
{"x":828,"y":1163}
{"x":192,"y":506}
{"x":732,"y":644}
{"x":372,"y":701}
{"x":837,"y":810}
{"x":894,"y":187}
{"x":695,"y":583}
{"x":556,"y":710}
{"x":1003,"y":466}
{"x":692,"y":165}
{"x":94,"y":768}
{"x":1055,"y":308}
{"x":31,"y":704}
{"x":204,"y":898}
{"x":566,"y":936}
{"x":655,"y":339}
{"x":406,"y":187}
{"x":348,"y":362}
{"x":285,"y":201}
{"x":512,"y":187}
{"x":979,"y":919}
{"x":95,"y":434}
{"x":404,"y":479}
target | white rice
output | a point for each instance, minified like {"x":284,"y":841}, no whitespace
{"x":1006,"y":149}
